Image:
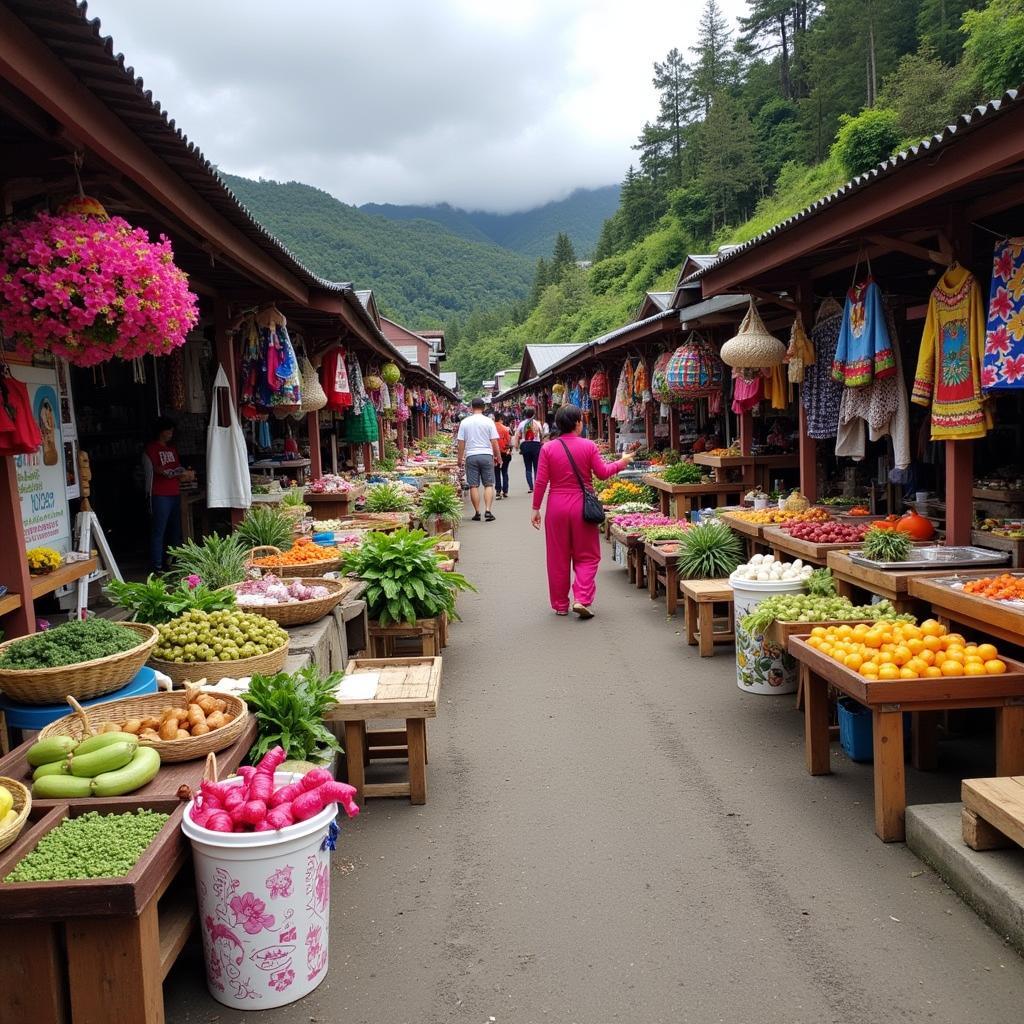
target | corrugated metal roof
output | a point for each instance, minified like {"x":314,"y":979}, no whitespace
{"x":717,"y":304}
{"x":660,"y":299}
{"x":927,"y":148}
{"x":545,"y":356}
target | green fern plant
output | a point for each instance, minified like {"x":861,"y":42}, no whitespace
{"x":441,"y":500}
{"x":265,"y":525}
{"x":710,"y":551}
{"x":387,"y":498}
{"x":218,"y":561}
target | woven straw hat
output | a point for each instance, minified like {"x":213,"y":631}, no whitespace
{"x":754,"y":346}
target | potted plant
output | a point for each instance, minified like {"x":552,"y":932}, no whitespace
{"x":710,"y":551}
{"x":441,"y":509}
{"x":265,"y":526}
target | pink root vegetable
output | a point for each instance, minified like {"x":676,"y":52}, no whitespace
{"x":234,"y":799}
{"x":261,"y":785}
{"x":252,"y":812}
{"x":264,"y":826}
{"x":247,"y":771}
{"x":280,"y":816}
{"x":313,"y":802}
{"x":201,"y":813}
{"x":220,"y":821}
{"x":214,"y":792}
{"x":312,"y":779}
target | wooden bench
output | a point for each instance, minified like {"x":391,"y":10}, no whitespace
{"x":662,"y":574}
{"x":699,"y":600}
{"x":993,"y":813}
{"x":424,"y":634}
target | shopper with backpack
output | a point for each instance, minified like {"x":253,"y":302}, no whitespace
{"x":530,"y":435}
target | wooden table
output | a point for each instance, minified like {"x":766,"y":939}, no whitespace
{"x":853,"y":580}
{"x":333,"y":506}
{"x":408,"y":689}
{"x":721,"y":464}
{"x":661,"y":568}
{"x":103,"y":951}
{"x":993,"y":541}
{"x":887,"y":699}
{"x":990,"y":618}
{"x":193,"y":501}
{"x":782,"y":543}
{"x":679,"y":499}
{"x":635,"y":562}
{"x":752,"y":533}
{"x":700,"y":598}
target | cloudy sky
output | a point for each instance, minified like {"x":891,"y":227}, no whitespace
{"x":486,"y":104}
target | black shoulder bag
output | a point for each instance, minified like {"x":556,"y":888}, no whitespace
{"x":593,"y":510}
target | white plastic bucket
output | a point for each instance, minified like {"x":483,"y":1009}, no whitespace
{"x":264,"y":908}
{"x":761,"y":667}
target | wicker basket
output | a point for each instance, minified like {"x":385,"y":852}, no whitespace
{"x":303,"y":571}
{"x":85,"y":680}
{"x":301,"y":612}
{"x":22,"y":805}
{"x":83,"y":721}
{"x":195,"y":671}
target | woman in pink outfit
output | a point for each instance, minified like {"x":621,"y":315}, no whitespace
{"x":571,"y":541}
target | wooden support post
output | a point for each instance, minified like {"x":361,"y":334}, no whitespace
{"x":649,"y":425}
{"x":808,"y":460}
{"x":313,"y":430}
{"x":400,"y":435}
{"x":367,"y":457}
{"x":673,"y":428}
{"x":1010,"y":741}
{"x":382,"y":437}
{"x":224,"y":345}
{"x":816,"y":735}
{"x":890,"y":778}
{"x":14,"y":572}
{"x":611,"y":434}
{"x":746,"y":432}
{"x":959,"y":489}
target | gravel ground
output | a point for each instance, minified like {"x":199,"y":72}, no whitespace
{"x":614,"y":832}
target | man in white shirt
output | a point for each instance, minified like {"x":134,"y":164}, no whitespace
{"x":478,"y":452}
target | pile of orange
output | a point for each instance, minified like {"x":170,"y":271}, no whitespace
{"x":767,"y":516}
{"x":997,"y":588}
{"x":898,"y":650}
{"x":303,"y":552}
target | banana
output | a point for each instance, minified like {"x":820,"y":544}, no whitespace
{"x":104,"y":739}
{"x":53,"y":748}
{"x":6,"y":802}
{"x":61,"y":787}
{"x":141,"y":769}
{"x":106,"y":759}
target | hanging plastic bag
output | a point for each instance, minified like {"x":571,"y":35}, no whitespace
{"x":227,"y":463}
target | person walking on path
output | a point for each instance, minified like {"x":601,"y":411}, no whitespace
{"x":570,"y":540}
{"x":478,"y":453}
{"x":530,"y":436}
{"x":505,"y":450}
{"x":163,"y":482}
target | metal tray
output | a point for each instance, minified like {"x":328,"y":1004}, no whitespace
{"x":939,"y":556}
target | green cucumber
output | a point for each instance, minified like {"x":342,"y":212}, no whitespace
{"x":61,"y":787}
{"x":51,"y":768}
{"x":104,"y":739}
{"x":53,"y":748}
{"x":141,"y":769}
{"x":106,"y":759}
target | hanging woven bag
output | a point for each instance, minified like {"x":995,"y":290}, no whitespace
{"x":694,"y":369}
{"x":314,"y":398}
{"x":659,"y":385}
{"x":754,"y":346}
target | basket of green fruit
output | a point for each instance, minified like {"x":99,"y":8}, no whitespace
{"x":83,"y":659}
{"x":217,"y":645}
{"x":15,"y":803}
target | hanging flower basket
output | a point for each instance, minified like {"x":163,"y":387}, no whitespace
{"x":87,"y":288}
{"x":754,"y":346}
{"x":391,"y":374}
{"x":373,"y":382}
{"x":599,"y":385}
{"x":659,"y":384}
{"x":694,"y":369}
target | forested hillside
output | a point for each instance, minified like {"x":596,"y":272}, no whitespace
{"x":420,"y":273}
{"x":532,"y":232}
{"x":756,"y":121}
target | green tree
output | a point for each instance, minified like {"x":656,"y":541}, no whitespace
{"x":714,"y":67}
{"x":673,"y":80}
{"x":938,"y":26}
{"x":994,"y":45}
{"x":730,"y":173}
{"x":541,"y":279}
{"x":779,"y":27}
{"x":563,"y":257}
{"x":926,"y":94}
{"x":866,"y":140}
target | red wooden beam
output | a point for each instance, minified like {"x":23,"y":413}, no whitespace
{"x":313,"y":429}
{"x":959,"y":488}
{"x":14,"y":572}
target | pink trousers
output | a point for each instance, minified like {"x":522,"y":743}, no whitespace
{"x":571,"y":543}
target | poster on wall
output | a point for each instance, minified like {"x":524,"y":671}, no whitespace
{"x":68,"y":430}
{"x":42,"y":476}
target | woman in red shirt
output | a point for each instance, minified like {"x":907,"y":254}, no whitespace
{"x":505,"y":449}
{"x":163,"y":475}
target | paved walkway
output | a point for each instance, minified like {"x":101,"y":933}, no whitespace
{"x":615,"y":833}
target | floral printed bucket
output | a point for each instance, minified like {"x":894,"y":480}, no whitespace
{"x":761,"y":667}
{"x":264,"y":908}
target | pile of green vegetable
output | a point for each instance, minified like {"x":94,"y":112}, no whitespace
{"x":665,"y":532}
{"x":92,"y":845}
{"x":154,"y":603}
{"x":218,"y":636}
{"x":265,"y":526}
{"x":69,"y":644}
{"x":812,"y":608}
{"x":682,"y":473}
{"x":442,"y":501}
{"x":883,"y":545}
{"x":709,"y":551}
{"x":388,"y":498}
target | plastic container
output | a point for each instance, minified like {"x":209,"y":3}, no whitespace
{"x":856,"y":732}
{"x":264,"y":908}
{"x":323,"y":538}
{"x":762,"y":667}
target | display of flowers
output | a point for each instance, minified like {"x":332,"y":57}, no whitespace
{"x":330,"y":483}
{"x":641,"y":520}
{"x":87,"y":289}
{"x":43,"y":560}
{"x":619,"y":491}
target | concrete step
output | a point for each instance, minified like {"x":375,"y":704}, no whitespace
{"x":990,"y":882}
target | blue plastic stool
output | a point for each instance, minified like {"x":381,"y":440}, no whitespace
{"x":33,"y":717}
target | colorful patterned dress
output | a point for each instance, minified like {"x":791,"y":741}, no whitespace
{"x":1003,"y":365}
{"x":864,"y":351}
{"x":820,"y":392}
{"x":948,"y":376}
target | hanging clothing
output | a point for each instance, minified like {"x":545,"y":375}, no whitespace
{"x":361,"y":427}
{"x":746,"y":391}
{"x":877,"y":410}
{"x":821,"y":392}
{"x":334,"y":380}
{"x":948,"y":376}
{"x":355,"y":377}
{"x":864,"y":350}
{"x":227,"y":460}
{"x":284,"y":383}
{"x":776,"y":386}
{"x":1003,"y":364}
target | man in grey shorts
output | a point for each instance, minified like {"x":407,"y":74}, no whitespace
{"x":478,"y":452}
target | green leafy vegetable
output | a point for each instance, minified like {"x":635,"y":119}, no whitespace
{"x":821,"y":584}
{"x":387,"y":497}
{"x":263,"y":526}
{"x":441,"y":500}
{"x":887,"y":545}
{"x":218,"y":561}
{"x":152,"y":602}
{"x":809,"y":608}
{"x":682,"y":473}
{"x":709,"y":551}
{"x":70,"y":644}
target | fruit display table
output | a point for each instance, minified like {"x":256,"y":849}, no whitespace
{"x":679,"y":499}
{"x":661,"y":558}
{"x":721,"y":464}
{"x":887,"y":699}
{"x":995,"y":541}
{"x":636,"y":563}
{"x":96,"y":950}
{"x":752,"y":533}
{"x":854,"y":581}
{"x":407,"y":689}
{"x":782,"y":543}
{"x":766,"y":465}
{"x":990,"y":618}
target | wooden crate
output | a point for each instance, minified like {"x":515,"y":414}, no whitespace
{"x":333,"y":506}
{"x":779,"y":632}
{"x":424,"y":633}
{"x":993,"y":814}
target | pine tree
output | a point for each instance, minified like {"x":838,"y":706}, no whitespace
{"x":541,"y":279}
{"x":938,"y":26}
{"x":673,"y":80}
{"x":563,"y":257}
{"x":729,"y":170}
{"x":715,"y":66}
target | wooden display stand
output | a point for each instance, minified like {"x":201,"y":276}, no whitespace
{"x":333,"y":506}
{"x":752,"y":533}
{"x":679,"y":500}
{"x":887,"y":699}
{"x":661,"y":570}
{"x":635,"y":562}
{"x":990,"y":618}
{"x":721,"y":464}
{"x":699,"y":599}
{"x":425,"y":633}
{"x":994,"y":542}
{"x":855,"y":581}
{"x":408,"y":689}
{"x":785,"y":544}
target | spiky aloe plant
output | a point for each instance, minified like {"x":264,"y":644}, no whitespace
{"x":387,"y":498}
{"x":887,"y":545}
{"x":264,"y":526}
{"x":710,"y":551}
